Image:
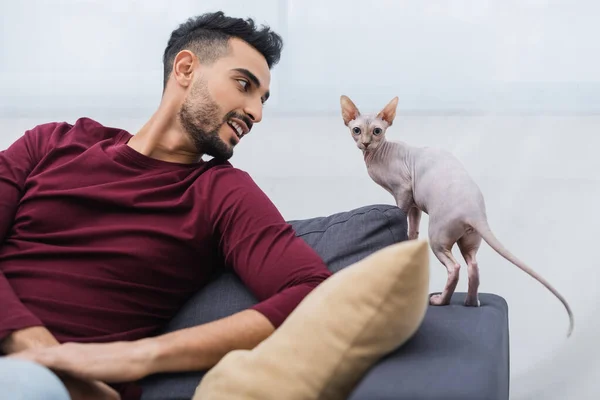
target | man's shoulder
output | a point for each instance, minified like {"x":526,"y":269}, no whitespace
{"x":84,"y":130}
{"x":93,"y":130}
{"x":222,"y":178}
{"x":224,"y":173}
{"x":230,"y":192}
{"x":220,"y":168}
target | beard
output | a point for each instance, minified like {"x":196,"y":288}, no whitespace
{"x":199,"y":116}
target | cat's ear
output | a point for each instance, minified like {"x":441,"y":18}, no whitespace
{"x":389,"y":111}
{"x":349,"y":110}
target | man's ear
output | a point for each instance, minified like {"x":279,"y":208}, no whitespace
{"x":389,"y":111}
{"x":349,"y":110}
{"x":183,"y":67}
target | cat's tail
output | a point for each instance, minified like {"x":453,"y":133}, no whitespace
{"x":482,"y":227}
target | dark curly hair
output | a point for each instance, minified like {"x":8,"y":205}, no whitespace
{"x":207,"y":35}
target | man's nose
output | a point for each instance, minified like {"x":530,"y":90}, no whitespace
{"x":254,"y":111}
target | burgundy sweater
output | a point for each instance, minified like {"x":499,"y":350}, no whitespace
{"x":100,"y":243}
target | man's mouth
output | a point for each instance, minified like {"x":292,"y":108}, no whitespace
{"x":239,"y":129}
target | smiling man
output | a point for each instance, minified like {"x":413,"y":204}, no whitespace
{"x":105,"y":234}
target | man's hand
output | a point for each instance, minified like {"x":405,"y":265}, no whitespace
{"x":88,"y":390}
{"x":107,"y":362}
{"x":190,"y":349}
{"x":29,"y":338}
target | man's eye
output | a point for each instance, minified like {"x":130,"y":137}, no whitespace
{"x":243,"y":83}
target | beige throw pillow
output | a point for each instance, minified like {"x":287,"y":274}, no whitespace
{"x":334,"y":335}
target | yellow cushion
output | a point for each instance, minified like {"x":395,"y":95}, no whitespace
{"x":334,"y":335}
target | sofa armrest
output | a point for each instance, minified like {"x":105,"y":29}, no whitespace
{"x":458,"y":353}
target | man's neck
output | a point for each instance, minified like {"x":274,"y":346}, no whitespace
{"x":163,"y":138}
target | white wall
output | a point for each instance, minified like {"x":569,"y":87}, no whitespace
{"x":501,"y":55}
{"x":498,"y":59}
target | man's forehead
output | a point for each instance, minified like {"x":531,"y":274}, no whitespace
{"x":244,"y":56}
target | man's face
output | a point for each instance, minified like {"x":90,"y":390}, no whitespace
{"x":226,"y":100}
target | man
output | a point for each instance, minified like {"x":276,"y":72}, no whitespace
{"x":104,"y":235}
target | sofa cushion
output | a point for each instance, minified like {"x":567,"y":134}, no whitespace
{"x":340,"y":239}
{"x":334,"y":335}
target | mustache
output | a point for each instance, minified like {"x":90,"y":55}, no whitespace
{"x":233,"y":114}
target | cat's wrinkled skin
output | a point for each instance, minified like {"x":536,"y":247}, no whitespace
{"x":432,"y":181}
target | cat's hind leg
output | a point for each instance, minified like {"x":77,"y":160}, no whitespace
{"x":468,"y":245}
{"x":441,"y":242}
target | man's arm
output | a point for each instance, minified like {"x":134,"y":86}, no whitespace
{"x":20,"y":330}
{"x":279,"y":268}
{"x":34,"y":337}
{"x":16,"y":163}
{"x":195,"y":348}
{"x":202,"y":346}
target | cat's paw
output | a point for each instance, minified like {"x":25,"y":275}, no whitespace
{"x":413,"y":235}
{"x":472,"y":302}
{"x":436,"y":300}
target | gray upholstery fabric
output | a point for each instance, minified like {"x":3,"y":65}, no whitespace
{"x":340,"y":239}
{"x":344,"y":238}
{"x":458,"y":353}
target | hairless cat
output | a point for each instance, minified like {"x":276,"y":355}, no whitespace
{"x":433,"y":181}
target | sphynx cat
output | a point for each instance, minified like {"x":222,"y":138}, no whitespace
{"x":433,"y":181}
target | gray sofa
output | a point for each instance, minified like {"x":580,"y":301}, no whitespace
{"x":457,"y":353}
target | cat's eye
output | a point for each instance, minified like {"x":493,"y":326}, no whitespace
{"x":377,"y":131}
{"x":356,"y":130}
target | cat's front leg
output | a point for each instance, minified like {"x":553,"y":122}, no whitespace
{"x":414,"y":220}
{"x":404,"y":201}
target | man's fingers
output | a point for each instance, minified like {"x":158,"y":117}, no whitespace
{"x":46,"y":357}
{"x":27,"y":355}
{"x":80,"y":389}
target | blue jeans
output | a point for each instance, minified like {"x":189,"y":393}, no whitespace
{"x":24,"y":380}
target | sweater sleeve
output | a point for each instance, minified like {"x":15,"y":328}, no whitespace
{"x":16,"y":163}
{"x":278,"y":267}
